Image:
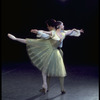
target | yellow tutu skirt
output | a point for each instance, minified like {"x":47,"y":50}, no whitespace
{"x":46,"y":57}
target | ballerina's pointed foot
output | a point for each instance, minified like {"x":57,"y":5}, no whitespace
{"x":43,"y":90}
{"x":11,"y":36}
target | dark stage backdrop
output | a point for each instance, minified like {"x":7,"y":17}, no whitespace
{"x":19,"y":16}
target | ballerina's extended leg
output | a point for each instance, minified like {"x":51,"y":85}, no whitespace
{"x":17,"y":39}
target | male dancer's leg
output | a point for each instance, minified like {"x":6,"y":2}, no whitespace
{"x":61,"y":79}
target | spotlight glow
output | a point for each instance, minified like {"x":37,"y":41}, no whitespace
{"x":63,"y":0}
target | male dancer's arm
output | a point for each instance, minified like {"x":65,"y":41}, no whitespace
{"x":74,"y":32}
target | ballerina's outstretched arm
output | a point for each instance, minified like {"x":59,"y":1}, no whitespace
{"x":36,"y":31}
{"x":16,"y":39}
{"x":41,"y":33}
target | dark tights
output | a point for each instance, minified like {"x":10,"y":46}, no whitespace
{"x":61,"y":80}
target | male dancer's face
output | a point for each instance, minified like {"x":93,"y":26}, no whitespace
{"x":62,"y":26}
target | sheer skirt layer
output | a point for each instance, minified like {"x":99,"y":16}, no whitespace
{"x":46,"y":57}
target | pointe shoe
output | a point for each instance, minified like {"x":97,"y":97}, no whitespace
{"x":63,"y":92}
{"x":43,"y":89}
{"x":11,"y":37}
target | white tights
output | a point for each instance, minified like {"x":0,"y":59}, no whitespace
{"x":21,"y":40}
{"x":44,"y":81}
{"x":17,"y":39}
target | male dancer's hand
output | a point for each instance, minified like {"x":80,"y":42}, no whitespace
{"x":82,"y":31}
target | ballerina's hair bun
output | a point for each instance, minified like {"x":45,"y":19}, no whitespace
{"x":51,"y":22}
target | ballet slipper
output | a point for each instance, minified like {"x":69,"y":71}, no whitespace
{"x":11,"y":36}
{"x":44,"y":89}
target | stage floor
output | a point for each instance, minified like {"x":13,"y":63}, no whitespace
{"x":22,"y":81}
